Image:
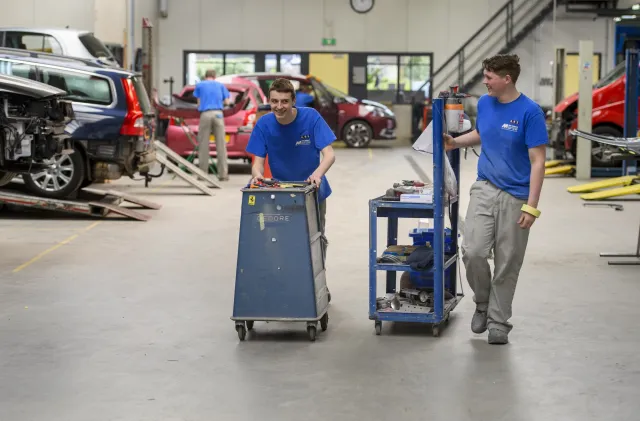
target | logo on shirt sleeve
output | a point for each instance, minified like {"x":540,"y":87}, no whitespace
{"x":512,"y":126}
{"x":305,"y":140}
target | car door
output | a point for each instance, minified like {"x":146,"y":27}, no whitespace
{"x":325,"y":105}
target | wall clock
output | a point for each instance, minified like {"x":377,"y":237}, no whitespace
{"x":362,"y":6}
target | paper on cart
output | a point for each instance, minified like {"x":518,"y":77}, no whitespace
{"x":424,"y":144}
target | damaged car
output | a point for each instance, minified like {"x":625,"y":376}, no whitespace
{"x":33,"y":122}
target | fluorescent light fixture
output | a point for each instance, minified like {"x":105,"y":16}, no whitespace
{"x":635,"y":7}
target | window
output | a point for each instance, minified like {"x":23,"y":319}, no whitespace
{"x":33,"y":42}
{"x":414,"y":71}
{"x":80,"y":87}
{"x":291,"y":63}
{"x":398,"y":78}
{"x":95,"y":47}
{"x":198,"y":64}
{"x":271,"y":63}
{"x":239,"y":63}
{"x":18,"y":69}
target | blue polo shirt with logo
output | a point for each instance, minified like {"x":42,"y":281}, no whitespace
{"x":507,"y":132}
{"x":294,"y":148}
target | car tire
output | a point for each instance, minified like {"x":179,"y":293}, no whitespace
{"x":6,"y":177}
{"x":357,"y":134}
{"x":69,"y":173}
{"x":601,"y":160}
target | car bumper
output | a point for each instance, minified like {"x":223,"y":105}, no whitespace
{"x":386,"y":129}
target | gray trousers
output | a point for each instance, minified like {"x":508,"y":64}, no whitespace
{"x":212,"y":122}
{"x":492,"y":223}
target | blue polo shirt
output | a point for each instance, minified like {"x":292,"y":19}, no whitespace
{"x":212,"y":95}
{"x":294,"y":148}
{"x":507,"y":132}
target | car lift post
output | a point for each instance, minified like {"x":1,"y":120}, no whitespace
{"x":585,"y":107}
{"x":631,"y":105}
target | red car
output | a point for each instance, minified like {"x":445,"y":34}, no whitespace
{"x":239,"y":119}
{"x":355,"y":121}
{"x":607,"y":118}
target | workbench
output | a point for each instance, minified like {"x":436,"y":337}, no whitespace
{"x":445,"y":267}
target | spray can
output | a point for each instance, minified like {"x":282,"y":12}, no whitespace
{"x":453,"y":110}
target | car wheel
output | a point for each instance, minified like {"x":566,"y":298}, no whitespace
{"x":60,"y":179}
{"x":6,"y":177}
{"x":357,"y":134}
{"x":601,"y":155}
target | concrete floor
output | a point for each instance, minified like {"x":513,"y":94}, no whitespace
{"x":130,"y":321}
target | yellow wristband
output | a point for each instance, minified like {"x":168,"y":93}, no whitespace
{"x":530,"y":210}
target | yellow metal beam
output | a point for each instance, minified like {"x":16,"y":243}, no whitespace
{"x":556,"y":162}
{"x":620,"y":191}
{"x":563,"y":169}
{"x":603,"y":184}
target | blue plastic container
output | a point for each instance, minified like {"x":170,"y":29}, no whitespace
{"x":422,"y":236}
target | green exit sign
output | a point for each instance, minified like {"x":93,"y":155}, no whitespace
{"x":328,"y":41}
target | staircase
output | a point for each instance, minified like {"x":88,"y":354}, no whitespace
{"x":512,"y":23}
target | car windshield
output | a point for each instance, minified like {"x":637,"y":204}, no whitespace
{"x":95,"y":47}
{"x":611,"y":76}
{"x":335,"y":92}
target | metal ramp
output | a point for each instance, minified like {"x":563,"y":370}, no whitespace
{"x":172,"y":161}
{"x":99,"y":203}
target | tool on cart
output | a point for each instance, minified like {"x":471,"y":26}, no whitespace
{"x":432,"y":260}
{"x":280,"y":275}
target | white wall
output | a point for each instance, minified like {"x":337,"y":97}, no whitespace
{"x":537,"y":51}
{"x":436,"y":26}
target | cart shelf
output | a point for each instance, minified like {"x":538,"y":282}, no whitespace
{"x":400,"y":268}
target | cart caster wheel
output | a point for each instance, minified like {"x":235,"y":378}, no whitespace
{"x":378,"y":328}
{"x":435,"y":330}
{"x":250,"y":325}
{"x":311,"y":330}
{"x":242,"y":332}
{"x":324,"y":322}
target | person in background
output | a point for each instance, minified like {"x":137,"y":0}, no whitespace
{"x":294,"y":138}
{"x":503,"y":205}
{"x":304,"y":97}
{"x":212,"y":97}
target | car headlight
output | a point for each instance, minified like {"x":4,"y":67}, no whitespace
{"x":376,"y":111}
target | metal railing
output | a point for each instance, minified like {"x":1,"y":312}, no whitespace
{"x":501,"y":33}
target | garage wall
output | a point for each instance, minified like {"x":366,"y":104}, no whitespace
{"x":435,"y":26}
{"x":536,"y":52}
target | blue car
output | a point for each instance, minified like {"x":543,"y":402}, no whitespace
{"x":113,"y":127}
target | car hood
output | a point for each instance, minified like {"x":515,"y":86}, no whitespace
{"x":28,"y":87}
{"x":377,"y":104}
{"x":565,"y":103}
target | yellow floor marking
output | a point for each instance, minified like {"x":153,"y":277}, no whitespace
{"x":55,"y":247}
{"x":370,"y":153}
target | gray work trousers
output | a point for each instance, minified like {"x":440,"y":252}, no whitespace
{"x":212,"y":121}
{"x":492,"y":223}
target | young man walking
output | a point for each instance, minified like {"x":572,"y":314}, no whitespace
{"x":503,"y":205}
{"x":294,"y":138}
{"x":212,"y":97}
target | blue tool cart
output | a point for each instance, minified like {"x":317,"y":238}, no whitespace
{"x":433,"y":293}
{"x":280,"y":274}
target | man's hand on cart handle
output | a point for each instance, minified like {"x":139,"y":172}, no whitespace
{"x":315,"y":179}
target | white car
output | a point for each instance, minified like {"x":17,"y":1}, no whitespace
{"x":66,"y":42}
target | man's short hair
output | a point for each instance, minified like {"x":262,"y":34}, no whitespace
{"x":283,"y":85}
{"x":210,"y":73}
{"x":503,"y":65}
